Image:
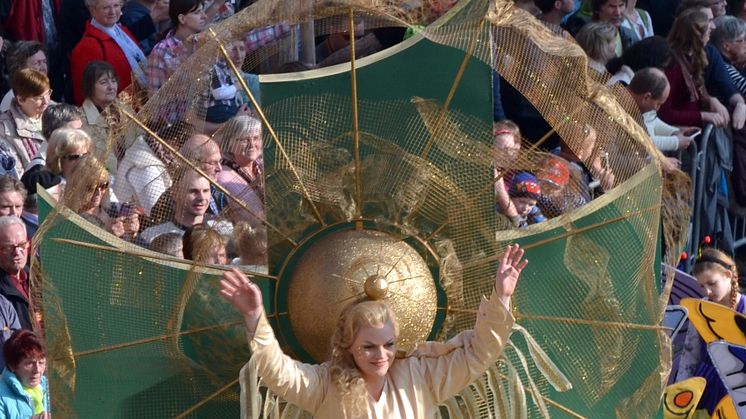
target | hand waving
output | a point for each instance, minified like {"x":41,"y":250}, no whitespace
{"x":238,"y":290}
{"x":511,"y":265}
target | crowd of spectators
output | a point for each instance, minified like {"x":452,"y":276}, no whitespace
{"x":60,"y":104}
{"x":684,"y":64}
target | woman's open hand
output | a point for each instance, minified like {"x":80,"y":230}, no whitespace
{"x":245,"y":295}
{"x":511,"y":265}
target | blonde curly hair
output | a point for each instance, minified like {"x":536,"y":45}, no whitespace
{"x":345,"y":374}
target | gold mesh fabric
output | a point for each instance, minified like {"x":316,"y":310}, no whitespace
{"x":425,"y":170}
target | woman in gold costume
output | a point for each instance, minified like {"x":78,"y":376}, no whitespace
{"x":363,"y":377}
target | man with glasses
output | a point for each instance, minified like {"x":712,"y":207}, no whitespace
{"x":14,"y":282}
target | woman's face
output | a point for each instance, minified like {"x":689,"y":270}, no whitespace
{"x":718,"y":7}
{"x":195,"y":20}
{"x":716,"y":285}
{"x":104,"y":90}
{"x":69,"y":160}
{"x":107,"y":12}
{"x":30,"y":370}
{"x":710,"y":24}
{"x":34,"y":106}
{"x":99,"y":191}
{"x":37,"y":62}
{"x":248,"y":148}
{"x":373,"y":350}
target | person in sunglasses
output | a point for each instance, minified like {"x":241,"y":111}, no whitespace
{"x":66,"y":147}
{"x":87,"y":191}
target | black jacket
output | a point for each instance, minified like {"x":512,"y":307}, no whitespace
{"x":19,"y":302}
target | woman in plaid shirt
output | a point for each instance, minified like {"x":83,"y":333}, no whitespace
{"x":188,"y":19}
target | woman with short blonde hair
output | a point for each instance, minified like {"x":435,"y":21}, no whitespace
{"x":242,"y":173}
{"x":66,"y":147}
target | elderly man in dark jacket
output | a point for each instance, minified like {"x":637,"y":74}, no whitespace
{"x":14,"y":283}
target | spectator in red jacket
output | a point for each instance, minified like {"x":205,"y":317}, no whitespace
{"x":106,"y":40}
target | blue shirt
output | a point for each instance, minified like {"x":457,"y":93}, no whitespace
{"x":717,"y":80}
{"x":15,"y":403}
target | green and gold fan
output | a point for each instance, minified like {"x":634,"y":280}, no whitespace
{"x":380,"y":180}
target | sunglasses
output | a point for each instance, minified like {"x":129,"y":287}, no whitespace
{"x":100,"y":187}
{"x":74,"y":157}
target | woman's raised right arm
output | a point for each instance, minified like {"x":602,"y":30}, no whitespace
{"x":304,"y":385}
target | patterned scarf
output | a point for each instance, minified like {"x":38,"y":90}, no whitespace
{"x":135,"y":56}
{"x":687,"y":71}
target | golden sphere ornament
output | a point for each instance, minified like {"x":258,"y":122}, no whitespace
{"x":376,"y":287}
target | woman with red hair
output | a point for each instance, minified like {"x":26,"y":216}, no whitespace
{"x":23,"y":386}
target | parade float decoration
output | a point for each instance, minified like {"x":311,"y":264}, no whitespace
{"x":379,"y":183}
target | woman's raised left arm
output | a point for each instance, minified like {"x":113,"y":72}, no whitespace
{"x":476,"y":350}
